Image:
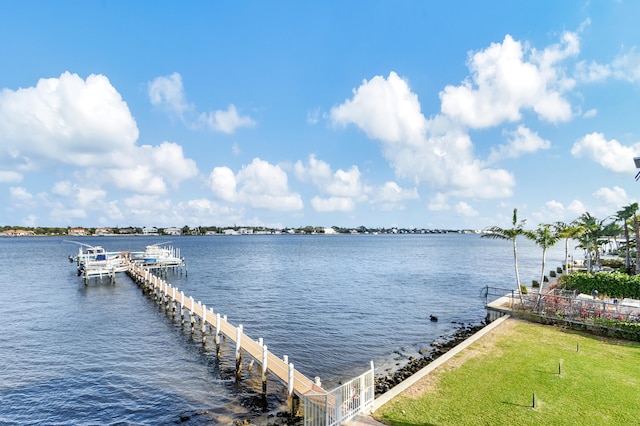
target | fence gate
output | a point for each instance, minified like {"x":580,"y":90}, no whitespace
{"x":342,"y":403}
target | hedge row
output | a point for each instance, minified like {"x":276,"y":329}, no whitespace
{"x":610,"y":284}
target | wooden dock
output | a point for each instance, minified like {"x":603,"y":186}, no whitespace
{"x":211,"y":322}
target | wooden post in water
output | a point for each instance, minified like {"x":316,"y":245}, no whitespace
{"x":193,"y":320}
{"x":238,"y":353}
{"x":224,"y":336}
{"x":265,"y":358}
{"x":182,"y":307}
{"x":217,"y":336}
{"x":165,"y":294}
{"x":203,"y":329}
{"x":173,"y":305}
{"x":290,"y":390}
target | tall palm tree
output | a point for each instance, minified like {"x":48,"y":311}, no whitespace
{"x":624,"y":215}
{"x":545,"y":237}
{"x":605,"y":233}
{"x":568,"y":231}
{"x":511,"y":234}
{"x":593,"y":230}
{"x":636,"y":231}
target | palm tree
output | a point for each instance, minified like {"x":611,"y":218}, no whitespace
{"x":568,"y":231}
{"x":496,"y":232}
{"x":593,"y":230}
{"x":544,"y":237}
{"x":624,"y":215}
{"x":636,"y":231}
{"x":610,"y":231}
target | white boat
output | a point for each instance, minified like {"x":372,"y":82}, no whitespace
{"x":95,"y":261}
{"x":159,"y":256}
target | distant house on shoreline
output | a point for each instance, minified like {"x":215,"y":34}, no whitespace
{"x":173,"y":231}
{"x":150,"y":231}
{"x":77,"y":232}
{"x":17,"y":233}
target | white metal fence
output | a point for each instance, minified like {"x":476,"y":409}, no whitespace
{"x":342,"y":403}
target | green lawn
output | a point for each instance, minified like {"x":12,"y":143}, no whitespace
{"x":494,"y":380}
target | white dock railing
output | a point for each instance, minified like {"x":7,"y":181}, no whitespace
{"x":342,"y":403}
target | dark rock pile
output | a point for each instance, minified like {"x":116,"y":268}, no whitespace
{"x":383,"y":384}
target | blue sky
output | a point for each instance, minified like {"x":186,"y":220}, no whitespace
{"x":284,"y":114}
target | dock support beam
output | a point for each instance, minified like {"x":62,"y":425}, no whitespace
{"x":203,"y":329}
{"x":290,"y":395}
{"x":238,"y":353}
{"x":191,"y":316}
{"x":265,"y":358}
{"x":217,"y":336}
{"x":182,"y":307}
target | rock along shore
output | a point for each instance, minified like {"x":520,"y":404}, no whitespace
{"x":438,"y":348}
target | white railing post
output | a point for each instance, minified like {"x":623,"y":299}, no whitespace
{"x":238,"y":352}
{"x":238,"y":338}
{"x":204,"y":319}
{"x":291,"y":383}
{"x":217,"y":329}
{"x":265,"y":358}
{"x":182,"y":307}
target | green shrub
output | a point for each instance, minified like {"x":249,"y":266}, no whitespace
{"x":617,"y":263}
{"x":535,"y":284}
{"x":545,"y":279}
{"x":552,"y":274}
{"x":559,"y":269}
{"x":523,"y":289}
{"x":611,"y":284}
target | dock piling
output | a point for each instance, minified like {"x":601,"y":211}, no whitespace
{"x":238,"y":352}
{"x":265,"y":366}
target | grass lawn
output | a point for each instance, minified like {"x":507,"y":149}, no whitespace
{"x":578,"y":379}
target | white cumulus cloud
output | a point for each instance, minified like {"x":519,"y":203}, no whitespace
{"x":341,"y":183}
{"x":521,"y":141}
{"x":464,"y":209}
{"x":435,"y":151}
{"x":226,"y":121}
{"x":614,"y":197}
{"x":610,"y":154}
{"x":167,"y":92}
{"x":509,"y":77}
{"x":67,"y":120}
{"x":258,"y":184}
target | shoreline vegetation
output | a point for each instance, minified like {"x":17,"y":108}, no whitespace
{"x":22,"y":231}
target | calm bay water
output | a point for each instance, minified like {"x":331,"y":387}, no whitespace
{"x":106,"y":354}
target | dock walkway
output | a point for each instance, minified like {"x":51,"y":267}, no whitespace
{"x":283,"y":370}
